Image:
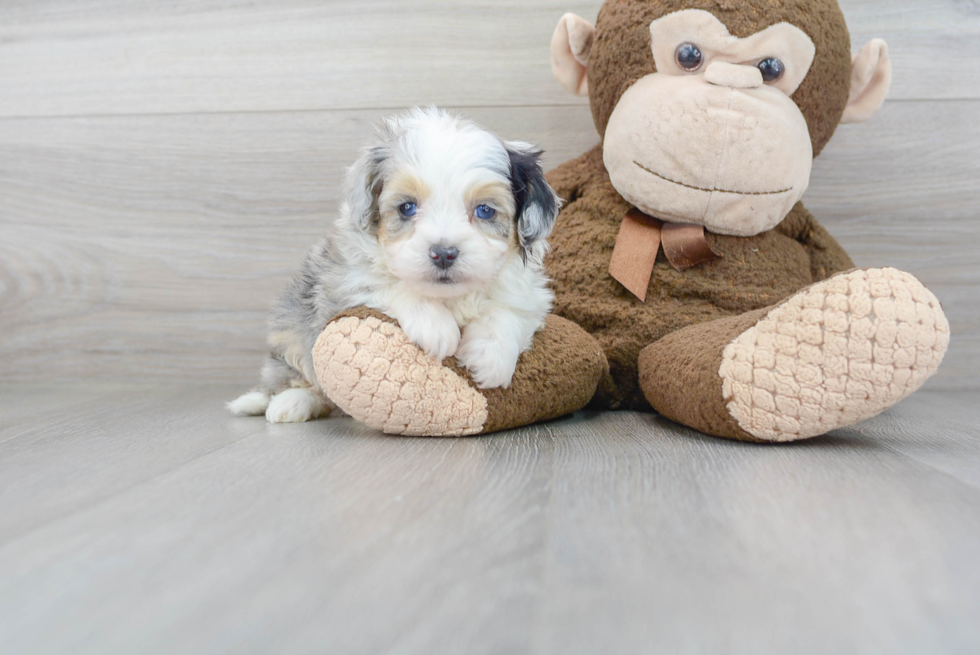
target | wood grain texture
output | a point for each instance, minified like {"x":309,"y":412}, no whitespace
{"x":119,"y":57}
{"x":151,"y":246}
{"x":938,"y":432}
{"x":106,"y":443}
{"x":155,"y":523}
{"x":116,"y":57}
{"x":144,"y":246}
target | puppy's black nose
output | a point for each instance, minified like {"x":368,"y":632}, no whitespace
{"x":443,"y":256}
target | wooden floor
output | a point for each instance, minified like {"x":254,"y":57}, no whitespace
{"x":147,"y":520}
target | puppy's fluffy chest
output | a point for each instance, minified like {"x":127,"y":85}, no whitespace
{"x":468,"y":308}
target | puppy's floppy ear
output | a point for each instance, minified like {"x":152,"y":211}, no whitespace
{"x":364,"y":184}
{"x":536,"y":204}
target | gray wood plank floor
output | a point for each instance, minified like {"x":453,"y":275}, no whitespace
{"x":147,"y":520}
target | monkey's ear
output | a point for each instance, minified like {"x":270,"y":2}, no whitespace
{"x":570,"y":46}
{"x":871,"y":77}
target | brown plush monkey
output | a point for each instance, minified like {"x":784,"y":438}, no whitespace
{"x":683,"y":250}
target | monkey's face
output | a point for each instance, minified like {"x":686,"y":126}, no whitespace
{"x":719,"y":126}
{"x":713,"y":137}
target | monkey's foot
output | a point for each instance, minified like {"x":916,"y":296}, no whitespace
{"x":368,"y":367}
{"x":834,"y":354}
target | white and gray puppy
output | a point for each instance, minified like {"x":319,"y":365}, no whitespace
{"x":443,"y":229}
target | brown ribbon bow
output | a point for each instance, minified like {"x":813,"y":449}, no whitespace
{"x":638,"y":243}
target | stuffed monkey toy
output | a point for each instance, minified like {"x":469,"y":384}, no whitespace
{"x":705,"y":289}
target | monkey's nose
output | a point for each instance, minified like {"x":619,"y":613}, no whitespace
{"x":443,"y":256}
{"x":735,"y":76}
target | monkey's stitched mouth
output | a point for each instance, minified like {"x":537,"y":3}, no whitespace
{"x":697,"y":188}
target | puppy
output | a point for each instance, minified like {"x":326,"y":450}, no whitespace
{"x":443,"y":230}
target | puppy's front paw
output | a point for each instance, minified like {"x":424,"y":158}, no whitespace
{"x":490,"y":363}
{"x":294,"y":406}
{"x":437,"y":335}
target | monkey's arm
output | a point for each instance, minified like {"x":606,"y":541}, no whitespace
{"x":827,"y":257}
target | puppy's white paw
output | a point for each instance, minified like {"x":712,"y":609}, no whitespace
{"x":253,"y":403}
{"x":294,"y":406}
{"x":435,"y":333}
{"x":490,"y":362}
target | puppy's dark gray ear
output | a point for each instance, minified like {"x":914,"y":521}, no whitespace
{"x":535,"y":201}
{"x":364,"y":182}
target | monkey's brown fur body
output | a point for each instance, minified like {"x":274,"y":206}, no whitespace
{"x":753,"y":273}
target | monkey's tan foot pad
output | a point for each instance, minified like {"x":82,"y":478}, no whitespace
{"x":369,"y":368}
{"x":836,"y":353}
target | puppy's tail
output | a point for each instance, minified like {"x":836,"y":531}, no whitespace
{"x":253,"y":403}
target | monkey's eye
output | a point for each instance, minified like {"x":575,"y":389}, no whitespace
{"x":485,"y":212}
{"x":772,"y":69}
{"x":408,"y":209}
{"x":689,"y":57}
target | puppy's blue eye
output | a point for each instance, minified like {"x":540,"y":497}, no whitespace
{"x":485,"y":212}
{"x":408,"y":209}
